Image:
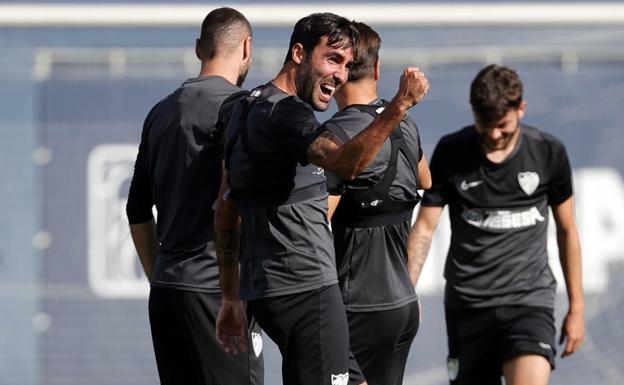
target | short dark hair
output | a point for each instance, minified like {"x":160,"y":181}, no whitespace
{"x":367,"y":53}
{"x":220,"y":30}
{"x":309,"y":30}
{"x":494,"y":92}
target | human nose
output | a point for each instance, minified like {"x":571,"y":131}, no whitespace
{"x":494,"y":134}
{"x":341,"y":75}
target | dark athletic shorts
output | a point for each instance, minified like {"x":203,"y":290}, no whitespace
{"x":186,"y":348}
{"x":311,"y":331}
{"x":380,"y":343}
{"x":481,"y":340}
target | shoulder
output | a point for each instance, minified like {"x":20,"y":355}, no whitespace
{"x":349,"y":122}
{"x":537,"y":135}
{"x":538,"y":140}
{"x":211,"y":90}
{"x":459,"y":139}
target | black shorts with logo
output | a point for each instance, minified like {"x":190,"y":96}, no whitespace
{"x":311,"y":331}
{"x":480,"y":341}
{"x":187,"y":352}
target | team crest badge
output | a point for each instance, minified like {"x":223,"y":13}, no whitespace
{"x":452,"y":365}
{"x":340,"y":379}
{"x":528,"y":181}
{"x":256,"y":342}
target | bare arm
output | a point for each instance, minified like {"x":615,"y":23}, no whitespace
{"x":332,"y":201}
{"x":419,"y":240}
{"x":232,"y":318}
{"x":424,"y":174}
{"x":348,"y":160}
{"x":573,"y":328}
{"x":146,"y":244}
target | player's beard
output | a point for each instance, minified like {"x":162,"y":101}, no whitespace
{"x":242,"y":73}
{"x":308,"y":86}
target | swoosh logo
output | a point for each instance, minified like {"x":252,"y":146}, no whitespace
{"x":468,"y":185}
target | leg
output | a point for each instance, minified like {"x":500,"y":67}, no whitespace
{"x":187,"y":352}
{"x":472,"y":340}
{"x":172,"y":367}
{"x":311,"y":331}
{"x":527,"y":369}
{"x":527,"y":346}
{"x":381,"y":340}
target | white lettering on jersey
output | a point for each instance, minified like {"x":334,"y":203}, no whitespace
{"x":599,"y":201}
{"x":319,"y":171}
{"x":528,"y":181}
{"x":468,"y":185}
{"x":502,"y":219}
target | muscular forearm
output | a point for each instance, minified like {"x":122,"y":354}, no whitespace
{"x":350,"y":159}
{"x":419,"y":240}
{"x":146,"y":244}
{"x":355,"y":155}
{"x":418,"y":246}
{"x":228,"y":249}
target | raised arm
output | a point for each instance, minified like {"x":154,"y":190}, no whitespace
{"x":419,"y":240}
{"x":573,"y":328}
{"x":232,"y":318}
{"x":349,"y":159}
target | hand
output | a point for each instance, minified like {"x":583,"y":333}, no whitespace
{"x":232,"y":326}
{"x":572,"y":332}
{"x":413,"y":86}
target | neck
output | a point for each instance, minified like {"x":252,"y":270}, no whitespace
{"x":363,"y":91}
{"x":285,"y":79}
{"x":220,"y":67}
{"x":499,"y":155}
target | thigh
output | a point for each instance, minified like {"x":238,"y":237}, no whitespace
{"x":173,"y":366}
{"x":310,"y":329}
{"x":527,"y":330}
{"x":198,"y":356}
{"x":380,"y":342}
{"x":472,"y":342}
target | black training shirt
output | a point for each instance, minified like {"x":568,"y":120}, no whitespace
{"x":499,"y":217}
{"x":178,"y":169}
{"x":286,"y":244}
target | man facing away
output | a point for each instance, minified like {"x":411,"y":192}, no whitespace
{"x":276,"y":152}
{"x":371,"y":225}
{"x":498,"y":178}
{"x":178,"y":169}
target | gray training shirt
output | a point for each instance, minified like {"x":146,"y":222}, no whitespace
{"x":372,"y":259}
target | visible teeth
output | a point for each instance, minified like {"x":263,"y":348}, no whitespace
{"x":328,"y":88}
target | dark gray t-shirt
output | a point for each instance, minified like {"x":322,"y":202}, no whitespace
{"x":499,"y":217}
{"x":372,"y":260}
{"x":286,"y":245}
{"x":178,"y":169}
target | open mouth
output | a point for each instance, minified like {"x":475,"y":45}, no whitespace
{"x":327,"y":91}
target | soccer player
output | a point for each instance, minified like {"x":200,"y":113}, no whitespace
{"x":276,"y":152}
{"x":498,"y":177}
{"x":178,"y":169}
{"x":372,"y":223}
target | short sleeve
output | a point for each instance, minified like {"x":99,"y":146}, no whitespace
{"x":439,"y":192}
{"x":560,"y":186}
{"x":140,"y":199}
{"x":296,"y":127}
{"x":335,"y":184}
